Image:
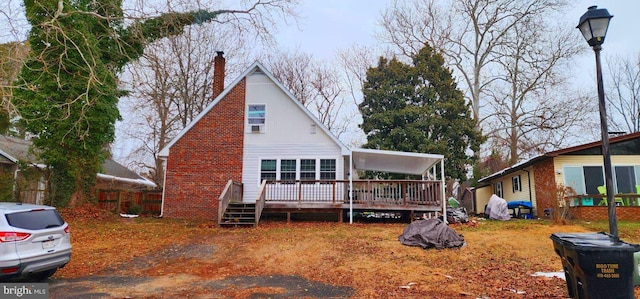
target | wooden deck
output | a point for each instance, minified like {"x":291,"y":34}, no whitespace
{"x":312,"y":197}
{"x":408,"y":196}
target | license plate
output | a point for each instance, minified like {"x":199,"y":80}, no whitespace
{"x":48,"y":244}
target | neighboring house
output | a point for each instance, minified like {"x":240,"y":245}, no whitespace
{"x":257,"y":135}
{"x":31,"y":181}
{"x":580,"y":168}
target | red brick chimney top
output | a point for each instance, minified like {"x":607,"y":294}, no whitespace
{"x":218,"y":74}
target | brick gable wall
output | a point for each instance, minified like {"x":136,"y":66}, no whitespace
{"x":202,"y":162}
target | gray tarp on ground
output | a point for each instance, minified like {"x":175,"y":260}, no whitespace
{"x":457,"y":215}
{"x":497,"y":208}
{"x":431,"y":233}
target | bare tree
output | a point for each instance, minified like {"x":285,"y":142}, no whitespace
{"x":170,"y":85}
{"x":355,"y":61}
{"x":12,"y":20}
{"x":485,"y":41}
{"x":12,"y":56}
{"x":623,"y":94}
{"x":319,"y":86}
{"x":530,"y":113}
{"x":292,"y":69}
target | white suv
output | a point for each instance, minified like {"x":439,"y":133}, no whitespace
{"x":34,"y":241}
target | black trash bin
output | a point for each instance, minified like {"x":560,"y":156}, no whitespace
{"x":596,"y":265}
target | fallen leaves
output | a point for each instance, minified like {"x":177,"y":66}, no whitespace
{"x":496,"y":263}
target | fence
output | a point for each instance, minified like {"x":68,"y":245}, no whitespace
{"x":120,"y":201}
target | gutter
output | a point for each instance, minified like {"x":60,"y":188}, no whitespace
{"x":126,"y":180}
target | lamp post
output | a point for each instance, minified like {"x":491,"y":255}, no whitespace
{"x":593,"y":25}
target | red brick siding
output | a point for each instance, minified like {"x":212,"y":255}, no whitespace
{"x":545,"y":186}
{"x":205,"y":158}
{"x":594,"y":213}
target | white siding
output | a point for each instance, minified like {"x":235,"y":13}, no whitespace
{"x":287,"y":135}
{"x":285,"y":122}
{"x":254,"y":154}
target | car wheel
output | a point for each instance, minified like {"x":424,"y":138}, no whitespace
{"x":40,"y":276}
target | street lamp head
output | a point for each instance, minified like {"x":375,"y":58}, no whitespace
{"x":593,"y":25}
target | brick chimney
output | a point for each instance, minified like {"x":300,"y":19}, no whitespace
{"x":218,"y":74}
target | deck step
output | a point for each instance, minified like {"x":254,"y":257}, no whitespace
{"x":239,"y":214}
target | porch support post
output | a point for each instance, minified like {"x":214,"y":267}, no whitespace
{"x":444,"y":206}
{"x":350,"y":187}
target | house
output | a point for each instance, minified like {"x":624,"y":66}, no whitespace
{"x":31,"y":182}
{"x":256,"y":143}
{"x":539,"y":179}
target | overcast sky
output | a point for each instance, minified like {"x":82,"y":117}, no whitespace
{"x":330,"y":25}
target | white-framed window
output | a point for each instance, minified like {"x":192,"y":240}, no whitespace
{"x":327,"y":169}
{"x":308,"y":169}
{"x":257,"y":114}
{"x":498,"y":189}
{"x":268,"y":170}
{"x":516,"y":183}
{"x":256,"y":118}
{"x":288,"y":170}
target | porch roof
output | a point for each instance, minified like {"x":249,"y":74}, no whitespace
{"x":392,"y":161}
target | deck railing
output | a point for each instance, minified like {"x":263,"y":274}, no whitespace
{"x":232,"y":192}
{"x":260,"y":201}
{"x":622,"y":199}
{"x":369,"y":192}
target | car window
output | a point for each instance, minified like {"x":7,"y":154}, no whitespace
{"x":36,"y":219}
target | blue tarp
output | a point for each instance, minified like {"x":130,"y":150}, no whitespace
{"x":519,"y":204}
{"x":517,"y":207}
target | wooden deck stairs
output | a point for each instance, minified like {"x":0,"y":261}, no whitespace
{"x":239,"y":214}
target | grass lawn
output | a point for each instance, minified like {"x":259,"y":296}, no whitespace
{"x":497,"y":261}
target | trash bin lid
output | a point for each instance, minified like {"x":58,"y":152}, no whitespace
{"x":592,"y":241}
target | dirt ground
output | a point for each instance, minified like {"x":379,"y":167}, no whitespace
{"x":117,"y":282}
{"x":163,"y":258}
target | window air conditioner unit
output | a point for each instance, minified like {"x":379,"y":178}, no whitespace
{"x":257,"y":128}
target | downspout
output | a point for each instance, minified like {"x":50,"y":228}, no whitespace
{"x":164,"y":186}
{"x":350,"y":187}
{"x":529,"y":180}
{"x":444,"y":206}
{"x":15,"y":178}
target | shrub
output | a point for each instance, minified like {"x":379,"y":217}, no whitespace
{"x":134,"y":209}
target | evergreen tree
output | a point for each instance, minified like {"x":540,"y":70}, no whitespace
{"x":418,"y":108}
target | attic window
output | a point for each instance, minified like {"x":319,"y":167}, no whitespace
{"x":257,"y":114}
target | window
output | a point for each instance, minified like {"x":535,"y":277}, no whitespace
{"x":327,"y":169}
{"x":35,"y":219}
{"x":574,"y":178}
{"x":288,"y":170}
{"x":516,"y":184}
{"x":257,"y":114}
{"x":267,"y":170}
{"x":593,"y":177}
{"x":625,"y":179}
{"x":587,"y":179}
{"x":498,"y":189}
{"x":307,"y":170}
